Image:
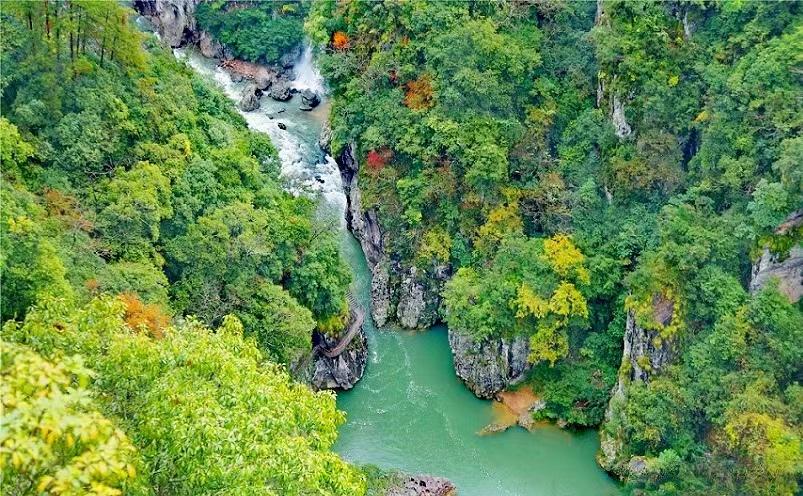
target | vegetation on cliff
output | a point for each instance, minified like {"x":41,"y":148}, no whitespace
{"x":256,"y":31}
{"x":661,"y":141}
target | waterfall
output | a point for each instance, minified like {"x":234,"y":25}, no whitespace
{"x":307,"y":75}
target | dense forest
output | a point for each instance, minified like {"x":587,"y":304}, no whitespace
{"x":575,"y":162}
{"x":134,"y":195}
{"x":583,"y":172}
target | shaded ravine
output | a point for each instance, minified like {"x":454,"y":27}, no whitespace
{"x":410,"y":412}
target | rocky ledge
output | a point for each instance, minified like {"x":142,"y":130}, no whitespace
{"x":490,"y":365}
{"x":423,"y":485}
{"x":342,"y":371}
{"x":786,"y":268}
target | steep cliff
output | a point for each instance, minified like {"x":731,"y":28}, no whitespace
{"x":175,"y":19}
{"x":786,"y":268}
{"x":397,"y":291}
{"x":645,"y":354}
{"x":490,"y":365}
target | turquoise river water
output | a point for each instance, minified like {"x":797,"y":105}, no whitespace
{"x":412,"y":413}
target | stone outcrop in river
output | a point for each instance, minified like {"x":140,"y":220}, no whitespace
{"x":645,"y":354}
{"x":423,"y":485}
{"x":786,"y":269}
{"x":250,"y":98}
{"x":342,"y":371}
{"x":489,"y":365}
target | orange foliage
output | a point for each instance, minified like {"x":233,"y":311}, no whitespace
{"x":142,"y":316}
{"x":66,"y":208}
{"x":340,"y":40}
{"x":419,"y":93}
{"x":92,"y":285}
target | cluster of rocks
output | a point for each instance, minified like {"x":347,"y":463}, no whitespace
{"x":423,"y":485}
{"x":270,"y":81}
{"x":175,"y":20}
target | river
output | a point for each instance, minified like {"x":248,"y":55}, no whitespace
{"x":410,"y":412}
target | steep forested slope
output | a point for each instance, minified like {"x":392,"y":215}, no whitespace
{"x":592,"y":175}
{"x":133,"y":196}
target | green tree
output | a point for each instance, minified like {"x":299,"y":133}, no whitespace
{"x":54,"y":439}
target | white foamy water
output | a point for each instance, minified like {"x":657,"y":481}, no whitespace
{"x":307,"y":74}
{"x":304,"y":167}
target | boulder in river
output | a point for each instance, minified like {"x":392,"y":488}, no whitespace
{"x":489,"y":365}
{"x":282,"y":126}
{"x":250,"y":98}
{"x":280,"y":91}
{"x":309,"y":99}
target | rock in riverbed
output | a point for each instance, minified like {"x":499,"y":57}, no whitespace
{"x":250,"y":98}
{"x":280,"y":91}
{"x":309,"y":100}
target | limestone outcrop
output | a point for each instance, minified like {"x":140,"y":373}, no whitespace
{"x":645,"y":354}
{"x":490,"y":365}
{"x":398,"y":292}
{"x":786,"y":268}
{"x":175,"y":19}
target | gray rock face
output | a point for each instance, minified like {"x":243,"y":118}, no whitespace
{"x":787,"y":270}
{"x":411,"y":300}
{"x":380,"y":294}
{"x":175,"y":19}
{"x":250,"y":98}
{"x":622,"y":128}
{"x":488,"y":366}
{"x":365,"y":227}
{"x":342,"y":371}
{"x":423,"y":485}
{"x":419,"y":299}
{"x":396,"y":291}
{"x":325,"y":139}
{"x":645,"y":354}
{"x":289,"y":58}
{"x":280,"y":91}
{"x":210,"y":47}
